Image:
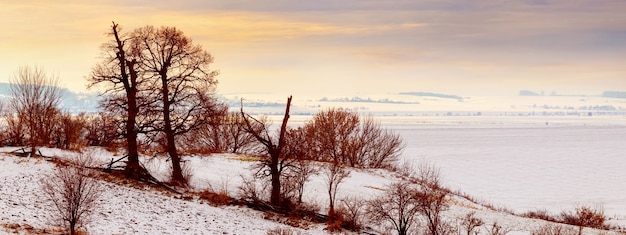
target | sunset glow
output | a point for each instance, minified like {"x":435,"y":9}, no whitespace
{"x":329,"y":48}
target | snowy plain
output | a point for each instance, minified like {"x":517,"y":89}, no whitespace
{"x":525,"y":164}
{"x":130,"y":210}
{"x":515,"y":154}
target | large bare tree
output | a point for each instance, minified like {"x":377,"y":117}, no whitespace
{"x":275,"y":160}
{"x":180,"y":70}
{"x":36,"y":96}
{"x":118,"y":71}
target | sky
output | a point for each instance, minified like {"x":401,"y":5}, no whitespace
{"x":329,"y":48}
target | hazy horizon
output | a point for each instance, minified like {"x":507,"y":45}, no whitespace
{"x":328,"y":48}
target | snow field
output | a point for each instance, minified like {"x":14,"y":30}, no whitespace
{"x":128,"y":210}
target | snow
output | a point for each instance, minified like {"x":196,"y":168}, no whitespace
{"x":516,"y":154}
{"x":124,"y":210}
{"x":525,"y":164}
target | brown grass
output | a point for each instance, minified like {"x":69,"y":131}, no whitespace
{"x":215,"y":199}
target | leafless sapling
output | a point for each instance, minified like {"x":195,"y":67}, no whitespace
{"x":72,"y":193}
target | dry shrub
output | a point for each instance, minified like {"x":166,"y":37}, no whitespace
{"x":335,"y":222}
{"x":294,"y":178}
{"x":583,"y":217}
{"x":470,"y":223}
{"x":497,"y":229}
{"x":342,"y":136}
{"x":540,"y":214}
{"x":352,"y":210}
{"x":253,"y":191}
{"x":397,"y":209}
{"x":554,"y":229}
{"x":282,"y":231}
{"x":216,"y":199}
{"x":72,"y":193}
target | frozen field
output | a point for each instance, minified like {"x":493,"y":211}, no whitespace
{"x":525,"y":163}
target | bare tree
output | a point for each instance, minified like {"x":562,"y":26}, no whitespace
{"x":431,"y":199}
{"x":228,"y":134}
{"x":353,"y":209}
{"x":72,"y":192}
{"x":118,"y":70}
{"x":102,"y":129}
{"x":225,"y":132}
{"x":70,"y":129}
{"x":376,"y":147}
{"x":585,"y":216}
{"x":470,"y":222}
{"x":14,"y":129}
{"x":36,"y":96}
{"x":397,"y":207}
{"x":296,"y":147}
{"x":334,"y":174}
{"x":339,"y":135}
{"x":275,"y":161}
{"x":333,"y":131}
{"x":185,"y":83}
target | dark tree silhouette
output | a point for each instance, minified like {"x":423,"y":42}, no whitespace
{"x":275,"y":162}
{"x":118,"y":70}
{"x":180,"y":72}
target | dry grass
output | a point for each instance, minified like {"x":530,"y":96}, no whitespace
{"x":215,"y":199}
{"x":245,"y":158}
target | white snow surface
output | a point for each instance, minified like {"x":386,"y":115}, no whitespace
{"x":127,"y":210}
{"x":526,"y":163}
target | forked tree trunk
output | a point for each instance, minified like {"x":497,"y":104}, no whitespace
{"x":133,"y":168}
{"x":274,"y":152}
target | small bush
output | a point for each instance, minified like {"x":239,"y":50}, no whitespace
{"x":352,"y":209}
{"x":554,"y":229}
{"x":497,"y":229}
{"x":282,"y":231}
{"x":335,"y":222}
{"x":585,"y":217}
{"x":470,"y":222}
{"x":216,"y":199}
{"x":541,"y":214}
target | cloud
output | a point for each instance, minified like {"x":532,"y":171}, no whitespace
{"x":368,"y":39}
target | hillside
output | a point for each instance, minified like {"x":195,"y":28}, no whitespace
{"x":144,"y":210}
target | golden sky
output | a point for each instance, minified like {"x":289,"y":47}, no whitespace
{"x":344,"y":48}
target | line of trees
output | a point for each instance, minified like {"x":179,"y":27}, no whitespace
{"x":159,"y":98}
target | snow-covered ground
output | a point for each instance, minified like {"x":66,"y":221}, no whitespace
{"x":522,"y":153}
{"x":128,"y":210}
{"x":526,"y":163}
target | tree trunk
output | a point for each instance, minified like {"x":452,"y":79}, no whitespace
{"x":275,"y":152}
{"x":133,"y":169}
{"x":275,"y":194}
{"x":177,"y":173}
